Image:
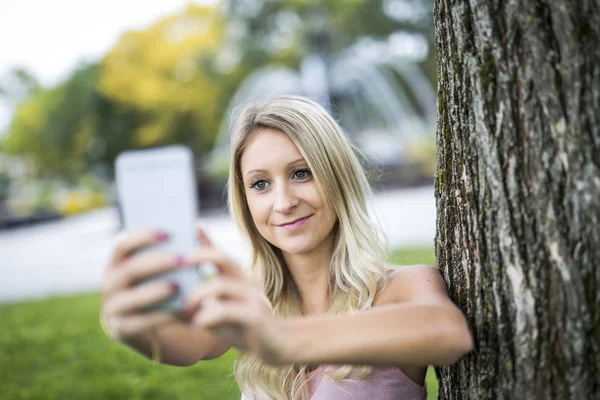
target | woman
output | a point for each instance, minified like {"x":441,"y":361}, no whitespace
{"x":320,"y":313}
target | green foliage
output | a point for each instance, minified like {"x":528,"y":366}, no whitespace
{"x":161,"y":74}
{"x":347,"y":20}
{"x":17,"y":85}
{"x":54,"y":127}
{"x":172,"y":82}
{"x":4,"y":185}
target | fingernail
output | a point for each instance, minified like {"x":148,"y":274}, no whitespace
{"x":161,"y":235}
{"x":179,"y":262}
{"x":174,"y":287}
{"x":188,"y":308}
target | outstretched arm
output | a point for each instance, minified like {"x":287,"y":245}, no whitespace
{"x":417,"y":325}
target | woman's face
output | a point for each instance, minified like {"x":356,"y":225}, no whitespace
{"x":284,"y":200}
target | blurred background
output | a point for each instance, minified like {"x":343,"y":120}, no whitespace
{"x":81,"y":82}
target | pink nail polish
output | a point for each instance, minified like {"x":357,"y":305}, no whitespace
{"x":174,"y":287}
{"x":179,"y":262}
{"x":161,"y":235}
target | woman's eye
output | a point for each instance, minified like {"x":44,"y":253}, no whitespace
{"x":302,"y":174}
{"x":259,"y":185}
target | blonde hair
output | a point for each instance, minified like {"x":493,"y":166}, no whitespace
{"x":358,"y":262}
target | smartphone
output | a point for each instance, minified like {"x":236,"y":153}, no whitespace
{"x":156,"y":189}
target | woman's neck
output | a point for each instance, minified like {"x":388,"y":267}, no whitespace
{"x":311,"y":273}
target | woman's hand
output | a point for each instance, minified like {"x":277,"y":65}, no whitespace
{"x":235,"y":309}
{"x":123,"y":300}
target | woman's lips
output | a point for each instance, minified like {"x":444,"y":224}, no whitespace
{"x":295,"y":225}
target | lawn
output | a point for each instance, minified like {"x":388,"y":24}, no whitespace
{"x":54,"y":349}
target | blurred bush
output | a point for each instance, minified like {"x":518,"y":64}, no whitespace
{"x":36,"y":197}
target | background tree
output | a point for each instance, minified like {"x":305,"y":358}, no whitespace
{"x":16,"y":85}
{"x":169,"y":83}
{"x":157,"y":86}
{"x":276,"y":26}
{"x":172,"y":82}
{"x":53,"y":128}
{"x":164,"y":73}
{"x":518,"y":194}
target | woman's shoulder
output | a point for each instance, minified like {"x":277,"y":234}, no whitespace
{"x":399,"y":279}
{"x":395,"y":271}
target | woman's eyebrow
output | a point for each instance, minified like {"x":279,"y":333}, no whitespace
{"x":289,"y":164}
{"x":255,"y":170}
{"x":300,"y":160}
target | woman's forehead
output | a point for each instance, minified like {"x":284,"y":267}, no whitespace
{"x":268,"y":147}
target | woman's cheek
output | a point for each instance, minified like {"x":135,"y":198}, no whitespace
{"x":260,"y":214}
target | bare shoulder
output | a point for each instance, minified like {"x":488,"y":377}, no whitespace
{"x":413,"y":283}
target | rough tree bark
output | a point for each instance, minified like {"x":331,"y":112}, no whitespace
{"x":518,"y":194}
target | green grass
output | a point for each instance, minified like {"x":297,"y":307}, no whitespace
{"x":54,"y":349}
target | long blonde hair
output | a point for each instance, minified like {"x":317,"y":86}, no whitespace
{"x":357,"y":270}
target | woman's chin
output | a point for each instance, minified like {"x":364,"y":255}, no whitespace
{"x":297,"y":248}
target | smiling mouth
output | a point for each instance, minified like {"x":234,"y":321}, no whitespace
{"x":295,"y":222}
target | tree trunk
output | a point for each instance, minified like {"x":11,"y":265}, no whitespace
{"x":518,"y":194}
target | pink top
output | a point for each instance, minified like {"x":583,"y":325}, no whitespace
{"x":382,"y":384}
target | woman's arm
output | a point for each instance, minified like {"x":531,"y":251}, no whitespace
{"x":178,"y":345}
{"x":417,"y":325}
{"x":160,"y":335}
{"x":414,"y":323}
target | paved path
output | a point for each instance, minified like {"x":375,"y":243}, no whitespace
{"x":68,"y":256}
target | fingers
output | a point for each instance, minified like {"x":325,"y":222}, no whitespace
{"x":219,"y":288}
{"x":129,"y":242}
{"x":220,"y":313}
{"x":224,"y":264}
{"x":141,"y":267}
{"x":203,"y":237}
{"x":139,"y":297}
{"x":223,"y":301}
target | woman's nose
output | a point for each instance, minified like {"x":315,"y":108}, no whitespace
{"x":285,"y":199}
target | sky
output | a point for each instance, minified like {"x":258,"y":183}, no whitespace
{"x":50,"y":38}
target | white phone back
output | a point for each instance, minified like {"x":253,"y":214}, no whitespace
{"x":156,"y":190}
